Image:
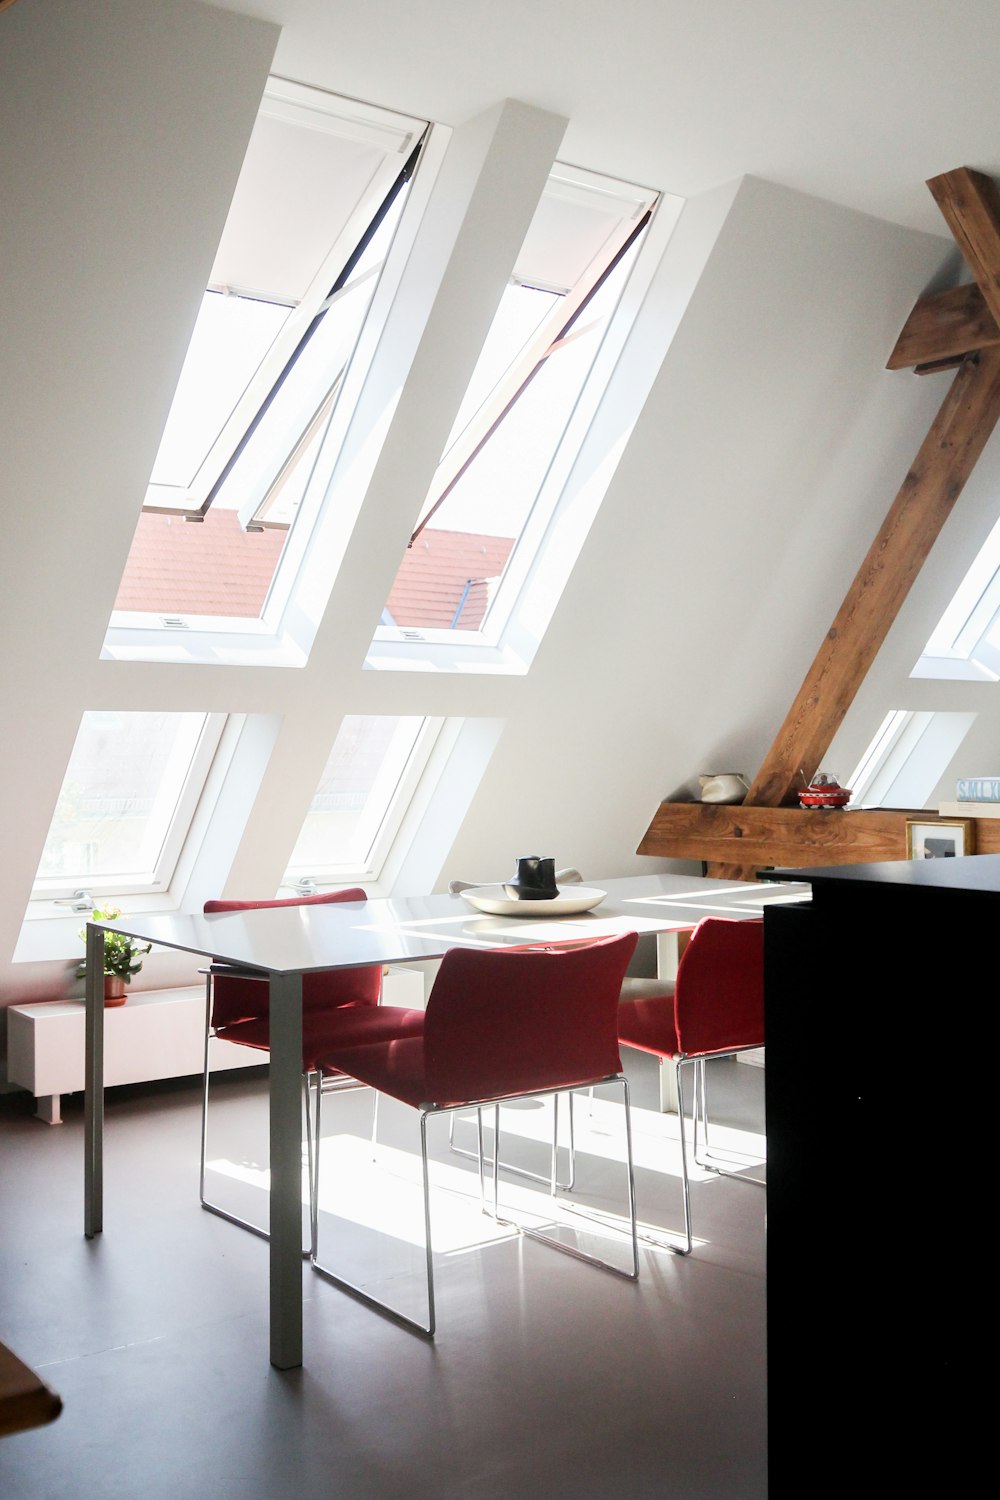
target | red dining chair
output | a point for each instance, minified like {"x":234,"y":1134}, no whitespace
{"x":500,"y":1024}
{"x":339,"y":1007}
{"x":715,"y":1009}
{"x":630,"y":987}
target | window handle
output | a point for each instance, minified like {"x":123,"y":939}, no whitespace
{"x":79,"y":901}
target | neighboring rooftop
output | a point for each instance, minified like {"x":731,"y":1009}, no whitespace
{"x":213,"y":567}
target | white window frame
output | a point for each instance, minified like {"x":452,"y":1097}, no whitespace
{"x":284,"y":632}
{"x":397,"y":135}
{"x":959,"y":649}
{"x":51,"y":895}
{"x":907,"y":757}
{"x":382,"y":818}
{"x":564,"y":508}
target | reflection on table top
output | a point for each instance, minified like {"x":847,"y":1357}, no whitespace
{"x":304,"y":938}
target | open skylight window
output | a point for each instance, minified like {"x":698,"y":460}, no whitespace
{"x":966,"y":641}
{"x":127,"y":800}
{"x":525,"y":411}
{"x":306,"y":239}
{"x":363,"y":794}
{"x":907,"y":758}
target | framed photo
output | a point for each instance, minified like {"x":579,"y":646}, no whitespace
{"x":944,"y":839}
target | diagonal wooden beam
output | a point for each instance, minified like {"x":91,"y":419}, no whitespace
{"x":943,"y":327}
{"x":957,"y":436}
{"x":970,"y":203}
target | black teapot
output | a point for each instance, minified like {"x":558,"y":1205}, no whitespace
{"x":535,"y":879}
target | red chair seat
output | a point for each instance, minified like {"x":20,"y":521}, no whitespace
{"x":648,"y":1024}
{"x":347,"y":1026}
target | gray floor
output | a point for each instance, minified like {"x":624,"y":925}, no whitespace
{"x":547,"y":1378}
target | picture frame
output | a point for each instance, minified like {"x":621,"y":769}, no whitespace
{"x":942,"y":838}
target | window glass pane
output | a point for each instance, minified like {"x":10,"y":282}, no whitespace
{"x":356,"y":794}
{"x":969,"y":622}
{"x":519,"y":318}
{"x":308,"y":390}
{"x":122,"y":789}
{"x":319,"y":198}
{"x":215,"y":566}
{"x":230,"y":339}
{"x":450,"y":574}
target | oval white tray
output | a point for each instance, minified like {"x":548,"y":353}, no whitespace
{"x":494,"y":900}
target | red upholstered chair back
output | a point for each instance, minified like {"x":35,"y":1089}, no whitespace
{"x":517,"y":1020}
{"x":246,"y":999}
{"x":719,"y":994}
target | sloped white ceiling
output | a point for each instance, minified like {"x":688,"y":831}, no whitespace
{"x":852,"y":101}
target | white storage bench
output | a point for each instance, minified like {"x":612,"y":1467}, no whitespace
{"x":155,"y":1034}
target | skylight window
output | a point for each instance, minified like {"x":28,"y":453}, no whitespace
{"x":363,"y":793}
{"x":907,"y":758}
{"x":308,"y":233}
{"x":126,"y":803}
{"x":966,"y":640}
{"x":486,"y":499}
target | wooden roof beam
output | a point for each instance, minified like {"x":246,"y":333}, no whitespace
{"x":970,"y":203}
{"x":943,"y":327}
{"x":946,"y":458}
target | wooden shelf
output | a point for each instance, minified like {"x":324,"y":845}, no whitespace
{"x":791,"y":836}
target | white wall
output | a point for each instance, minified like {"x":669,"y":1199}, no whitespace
{"x":764,"y":460}
{"x":123,"y":128}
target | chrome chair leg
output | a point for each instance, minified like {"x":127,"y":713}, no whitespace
{"x":705,"y":1160}
{"x":352,"y":1289}
{"x":248,"y":1224}
{"x":685,"y":1180}
{"x":204,"y":1092}
{"x":550,"y":1176}
{"x":207,"y":1204}
{"x":428,"y":1248}
{"x":699,"y":1111}
{"x":572,"y":1250}
{"x":428,"y":1328}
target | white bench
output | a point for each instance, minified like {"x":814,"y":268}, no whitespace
{"x":155,"y":1034}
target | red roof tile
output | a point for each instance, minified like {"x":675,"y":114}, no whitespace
{"x":212,"y":567}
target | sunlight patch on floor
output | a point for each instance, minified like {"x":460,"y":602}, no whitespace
{"x":385,"y":1195}
{"x":599,"y":1131}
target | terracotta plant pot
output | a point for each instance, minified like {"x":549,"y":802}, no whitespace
{"x":114,"y":990}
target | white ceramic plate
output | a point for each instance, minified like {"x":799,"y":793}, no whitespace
{"x":573,"y":899}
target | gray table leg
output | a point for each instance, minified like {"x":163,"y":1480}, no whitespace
{"x":667,"y":959}
{"x":93,"y":1083}
{"x":286,"y":1170}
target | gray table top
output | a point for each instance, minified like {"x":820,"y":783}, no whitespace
{"x":307,"y":938}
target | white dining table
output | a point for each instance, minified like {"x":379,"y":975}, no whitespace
{"x":287,"y":942}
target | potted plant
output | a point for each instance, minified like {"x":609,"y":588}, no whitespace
{"x":122,"y":957}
